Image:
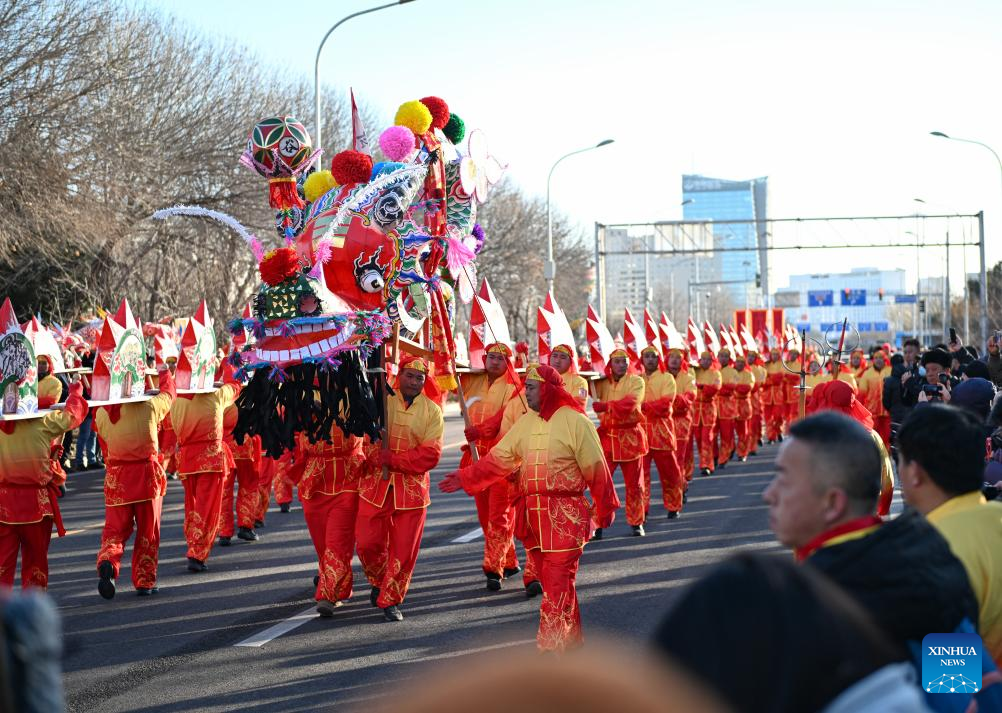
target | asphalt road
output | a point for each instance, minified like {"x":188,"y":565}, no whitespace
{"x":177,"y":650}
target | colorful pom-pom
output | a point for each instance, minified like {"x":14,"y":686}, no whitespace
{"x":350,"y":167}
{"x":279,"y":265}
{"x":455,"y":129}
{"x":415,"y":116}
{"x":439,"y":111}
{"x":318,"y":183}
{"x":478,"y":234}
{"x":397,"y":143}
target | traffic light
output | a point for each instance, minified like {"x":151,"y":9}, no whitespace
{"x":758,"y":279}
{"x":921,"y":306}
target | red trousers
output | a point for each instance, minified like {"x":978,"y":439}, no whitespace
{"x":774,"y":416}
{"x":388,"y":541}
{"x":245,"y":478}
{"x":559,"y":614}
{"x":32,"y":540}
{"x":203,"y":494}
{"x":119,"y":521}
{"x":754,"y":432}
{"x":672,"y":482}
{"x":792,"y":413}
{"x":882,"y":425}
{"x":331,"y":522}
{"x":633,"y":476}
{"x":703,"y":434}
{"x":497,"y":520}
{"x":742,"y":431}
{"x":726,"y":428}
{"x":683,"y":452}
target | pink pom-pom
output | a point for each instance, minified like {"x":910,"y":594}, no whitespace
{"x":397,"y":143}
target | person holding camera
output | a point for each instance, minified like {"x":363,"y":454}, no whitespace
{"x":931,"y":382}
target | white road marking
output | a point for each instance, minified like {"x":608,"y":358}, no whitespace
{"x":283,"y":627}
{"x":470,"y":536}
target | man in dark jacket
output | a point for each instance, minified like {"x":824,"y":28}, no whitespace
{"x":822,"y":504}
{"x":994,"y":361}
{"x":892,"y":392}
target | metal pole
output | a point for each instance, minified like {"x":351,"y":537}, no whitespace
{"x":947,"y":312}
{"x":316,"y":65}
{"x":967,"y":298}
{"x":984,"y":277}
{"x":600,"y":267}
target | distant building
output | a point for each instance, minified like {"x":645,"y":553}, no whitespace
{"x":819,"y":302}
{"x":722,"y":200}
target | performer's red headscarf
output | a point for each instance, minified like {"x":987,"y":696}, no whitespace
{"x":552,"y":393}
{"x":569,"y":351}
{"x":652,"y":350}
{"x":839,"y":396}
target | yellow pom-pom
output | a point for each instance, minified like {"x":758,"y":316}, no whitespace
{"x":415,"y":116}
{"x":318,"y":183}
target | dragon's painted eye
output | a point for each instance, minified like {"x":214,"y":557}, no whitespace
{"x":371,"y":281}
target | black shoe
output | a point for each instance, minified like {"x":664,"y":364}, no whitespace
{"x":685,"y":496}
{"x":247,"y":534}
{"x":316,"y":581}
{"x":225,"y":541}
{"x":172,"y":476}
{"x":533,"y":589}
{"x":374,"y":596}
{"x":326,"y":607}
{"x":258,"y":524}
{"x":743,"y":459}
{"x":511,"y":571}
{"x":285,"y":507}
{"x":705,"y":472}
{"x":753,"y":453}
{"x":779,"y":439}
{"x":759,"y":444}
{"x":673,"y":514}
{"x":393,"y":613}
{"x":195,"y":565}
{"x":494,"y":582}
{"x":638,"y":531}
{"x":598,"y":534}
{"x":106,"y":585}
{"x":146,"y":591}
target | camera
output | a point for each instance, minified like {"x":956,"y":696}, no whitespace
{"x":989,"y":491}
{"x":932,"y":391}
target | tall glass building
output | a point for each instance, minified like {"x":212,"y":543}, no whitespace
{"x":719,"y":199}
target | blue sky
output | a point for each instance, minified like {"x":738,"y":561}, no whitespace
{"x":835,"y":106}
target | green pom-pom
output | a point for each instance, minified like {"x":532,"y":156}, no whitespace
{"x":455,"y":129}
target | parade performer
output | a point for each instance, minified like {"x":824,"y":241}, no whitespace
{"x":682,"y":412}
{"x":774,"y":396}
{"x":392,"y":510}
{"x":326,"y":477}
{"x":624,"y":442}
{"x":857,"y":363}
{"x":727,"y":407}
{"x":659,"y":397}
{"x":839,"y":396}
{"x":165,"y":354}
{"x":755,"y":429}
{"x":134,"y":485}
{"x":556,"y":348}
{"x":197,"y":419}
{"x":704,"y":416}
{"x":871,"y":392}
{"x":243,"y":478}
{"x":28,"y":486}
{"x":744,"y":409}
{"x":488,"y":394}
{"x":557,"y":453}
{"x":791,"y":380}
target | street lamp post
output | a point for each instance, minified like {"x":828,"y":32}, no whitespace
{"x":316,"y":64}
{"x":551,"y":269}
{"x":981,"y":241}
